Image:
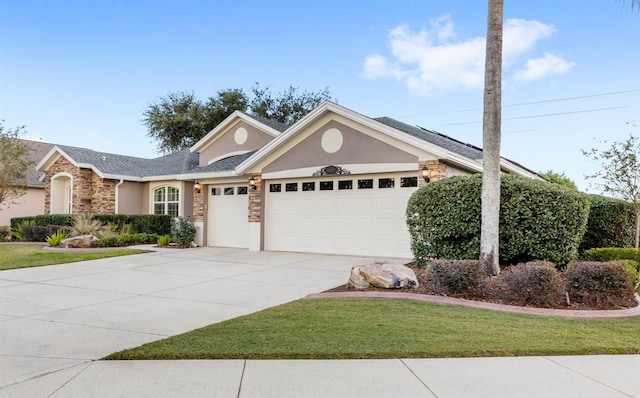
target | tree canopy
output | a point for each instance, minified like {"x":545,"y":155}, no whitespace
{"x":619,"y":173}
{"x":14,"y":162}
{"x":178,"y":120}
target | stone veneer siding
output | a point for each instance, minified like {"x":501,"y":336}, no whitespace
{"x":255,"y":200}
{"x":436,"y":170}
{"x":91,"y":194}
{"x":198,"y":203}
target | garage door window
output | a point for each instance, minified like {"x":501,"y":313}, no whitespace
{"x":308,"y":186}
{"x":326,"y":185}
{"x":345,"y":184}
{"x":291,"y":187}
{"x":408,"y":182}
{"x":229,"y":191}
{"x":365,"y":184}
{"x":386,"y":183}
{"x":275,"y":187}
{"x":242,"y":190}
{"x":216,"y":191}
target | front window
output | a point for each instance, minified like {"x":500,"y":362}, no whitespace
{"x":166,"y":201}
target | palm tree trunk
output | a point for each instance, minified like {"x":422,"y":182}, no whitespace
{"x":491,"y":125}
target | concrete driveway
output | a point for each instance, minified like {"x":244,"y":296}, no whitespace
{"x":58,"y":317}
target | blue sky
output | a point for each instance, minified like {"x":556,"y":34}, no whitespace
{"x":82,"y":72}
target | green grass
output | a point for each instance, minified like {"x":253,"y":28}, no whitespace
{"x":392,"y":328}
{"x":32,"y":255}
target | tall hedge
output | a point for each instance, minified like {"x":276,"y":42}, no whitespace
{"x":158,"y":224}
{"x":538,"y":220}
{"x":612,"y":223}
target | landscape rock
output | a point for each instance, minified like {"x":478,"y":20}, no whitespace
{"x":388,"y":276}
{"x":80,"y":242}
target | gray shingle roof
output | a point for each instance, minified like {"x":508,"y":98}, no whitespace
{"x":274,"y":124}
{"x":226,"y":164}
{"x":433,"y":137}
{"x":38,"y":151}
{"x":175,"y":163}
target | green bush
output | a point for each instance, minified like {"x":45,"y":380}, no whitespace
{"x":120,"y":240}
{"x":5,"y":233}
{"x":611,"y":224}
{"x":18,"y":231}
{"x":612,"y":253}
{"x":39,"y":233}
{"x":607,"y":285}
{"x":164,"y":240}
{"x":538,"y":220}
{"x":536,"y":283}
{"x":145,"y":223}
{"x":183,"y":231}
{"x":459,"y":277}
{"x":57,"y":237}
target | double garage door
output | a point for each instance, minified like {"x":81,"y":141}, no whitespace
{"x":361,"y":215}
{"x":353,"y":215}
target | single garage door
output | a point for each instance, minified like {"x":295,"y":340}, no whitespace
{"x":361,"y":215}
{"x":227,"y":222}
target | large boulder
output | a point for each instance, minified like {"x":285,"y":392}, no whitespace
{"x":388,"y":276}
{"x":80,"y":242}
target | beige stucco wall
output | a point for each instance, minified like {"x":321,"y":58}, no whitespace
{"x":357,"y":148}
{"x":29,"y":204}
{"x":225,"y":143}
{"x":130,"y":197}
{"x":456,"y":171}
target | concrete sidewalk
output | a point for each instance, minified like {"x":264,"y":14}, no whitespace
{"x":566,"y":377}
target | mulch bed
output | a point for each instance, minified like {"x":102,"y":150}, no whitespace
{"x":493,"y":291}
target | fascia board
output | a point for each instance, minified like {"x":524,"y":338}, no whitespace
{"x":203,"y":143}
{"x":515,"y":169}
{"x":209,"y":175}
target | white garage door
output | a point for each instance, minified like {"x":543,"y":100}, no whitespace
{"x":361,"y":215}
{"x":227,"y":222}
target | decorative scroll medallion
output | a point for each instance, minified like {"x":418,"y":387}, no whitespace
{"x":331,"y":171}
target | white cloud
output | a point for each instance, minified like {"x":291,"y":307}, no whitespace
{"x":541,"y":67}
{"x":435,"y":59}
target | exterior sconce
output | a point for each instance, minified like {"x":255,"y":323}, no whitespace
{"x":197,"y":187}
{"x":252,"y":182}
{"x":425,"y":174}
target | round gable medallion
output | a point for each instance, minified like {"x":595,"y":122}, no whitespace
{"x":332,"y":140}
{"x":241,"y":135}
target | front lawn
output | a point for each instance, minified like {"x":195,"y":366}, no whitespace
{"x":33,"y":255}
{"x":392,"y":328}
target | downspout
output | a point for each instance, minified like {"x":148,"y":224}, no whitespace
{"x":117,"y":196}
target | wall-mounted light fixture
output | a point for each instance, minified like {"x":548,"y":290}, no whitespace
{"x":425,"y":174}
{"x":197,"y":187}
{"x":252,"y":182}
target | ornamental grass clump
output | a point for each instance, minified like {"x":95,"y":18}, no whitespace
{"x":601,"y":285}
{"x":536,"y":283}
{"x":457,"y":277}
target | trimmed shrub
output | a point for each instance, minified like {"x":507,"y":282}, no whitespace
{"x":612,"y":253}
{"x":459,"y":277}
{"x":606,"y":285}
{"x":120,"y":240}
{"x":538,"y":220}
{"x":611,"y":223}
{"x":39,"y":233}
{"x":536,"y":283}
{"x":144,"y":223}
{"x":159,"y":224}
